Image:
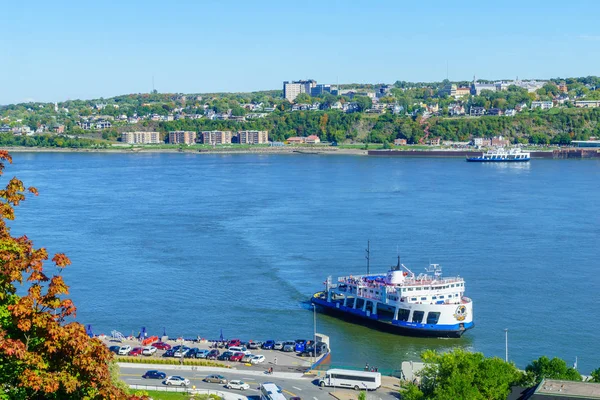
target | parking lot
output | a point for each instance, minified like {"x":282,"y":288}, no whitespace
{"x":277,"y":359}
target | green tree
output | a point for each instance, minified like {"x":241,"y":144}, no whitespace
{"x":596,"y":375}
{"x":555,"y":368}
{"x":463,"y":375}
{"x":303,"y":98}
{"x":364,"y":102}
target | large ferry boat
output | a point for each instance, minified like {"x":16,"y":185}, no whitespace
{"x":502,"y":155}
{"x":401,"y":302}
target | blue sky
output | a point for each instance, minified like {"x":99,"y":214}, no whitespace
{"x":59,"y":50}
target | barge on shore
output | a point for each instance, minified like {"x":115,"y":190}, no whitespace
{"x":401,"y":302}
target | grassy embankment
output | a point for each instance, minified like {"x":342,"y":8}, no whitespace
{"x":158,"y":395}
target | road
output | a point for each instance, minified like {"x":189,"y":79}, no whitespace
{"x":304,"y":388}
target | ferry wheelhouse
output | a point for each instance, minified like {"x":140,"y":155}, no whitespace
{"x":502,"y":155}
{"x":401,"y":301}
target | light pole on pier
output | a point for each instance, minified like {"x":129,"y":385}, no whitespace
{"x":314,"y":333}
{"x":506,"y":344}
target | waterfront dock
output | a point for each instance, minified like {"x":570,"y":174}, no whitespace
{"x":563,"y":153}
{"x":280,"y":361}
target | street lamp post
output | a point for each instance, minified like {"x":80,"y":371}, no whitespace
{"x":314,"y":333}
{"x":506,"y":344}
{"x":181,"y":351}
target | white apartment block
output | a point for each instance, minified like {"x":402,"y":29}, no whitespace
{"x":544,"y":105}
{"x":291,"y":90}
{"x":216,"y":137}
{"x":140,"y":137}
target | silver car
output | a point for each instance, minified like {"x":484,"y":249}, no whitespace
{"x":278,"y":346}
{"x":289,"y":346}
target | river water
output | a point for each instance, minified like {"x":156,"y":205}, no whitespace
{"x":193,"y":244}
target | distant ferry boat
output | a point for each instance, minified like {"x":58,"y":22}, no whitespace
{"x":401,"y":302}
{"x":502,"y":155}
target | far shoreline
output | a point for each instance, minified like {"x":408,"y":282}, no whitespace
{"x":149,"y":150}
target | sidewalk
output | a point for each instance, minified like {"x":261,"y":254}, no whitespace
{"x":284,"y":375}
{"x":390,"y":382}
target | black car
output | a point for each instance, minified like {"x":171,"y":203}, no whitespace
{"x":153,"y":374}
{"x":169,"y":353}
{"x":192,"y":353}
{"x":213,"y":354}
{"x":225,"y":356}
{"x":114,"y":349}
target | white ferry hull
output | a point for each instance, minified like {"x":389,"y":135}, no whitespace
{"x":478,"y":159}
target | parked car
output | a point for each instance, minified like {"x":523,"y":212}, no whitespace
{"x":136,"y":351}
{"x":215,"y":379}
{"x":154,"y":374}
{"x":225,"y":356}
{"x":310,"y":351}
{"x":254,"y":345}
{"x":149,"y":350}
{"x":169,"y":353}
{"x":239,"y":385}
{"x":192,"y":352}
{"x":257,"y":359}
{"x":240,"y":349}
{"x":202,"y":353}
{"x":162,"y":346}
{"x":268,"y":345}
{"x":234,"y":342}
{"x":181,"y":352}
{"x":300,"y":345}
{"x":237,"y":356}
{"x":278,"y":346}
{"x":176,"y":381}
{"x":124,"y":350}
{"x":213,"y":354}
{"x":289,"y":346}
{"x":247,"y":358}
{"x":114,"y":349}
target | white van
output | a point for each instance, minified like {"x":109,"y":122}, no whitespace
{"x":357,"y":380}
{"x":240,"y":349}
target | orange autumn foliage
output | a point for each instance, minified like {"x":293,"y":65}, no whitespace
{"x":44,"y":354}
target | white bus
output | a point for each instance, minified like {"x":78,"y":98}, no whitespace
{"x":357,"y":380}
{"x":270,"y":391}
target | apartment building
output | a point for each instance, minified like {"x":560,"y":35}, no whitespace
{"x":291,"y":90}
{"x":182,"y":137}
{"x":587,"y":103}
{"x":544,"y":105}
{"x":253,"y":137}
{"x":140,"y":137}
{"x":216,"y":137}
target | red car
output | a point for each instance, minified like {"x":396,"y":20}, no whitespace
{"x":162,"y":346}
{"x":233,"y":342}
{"x":237,"y":356}
{"x":136,"y":351}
